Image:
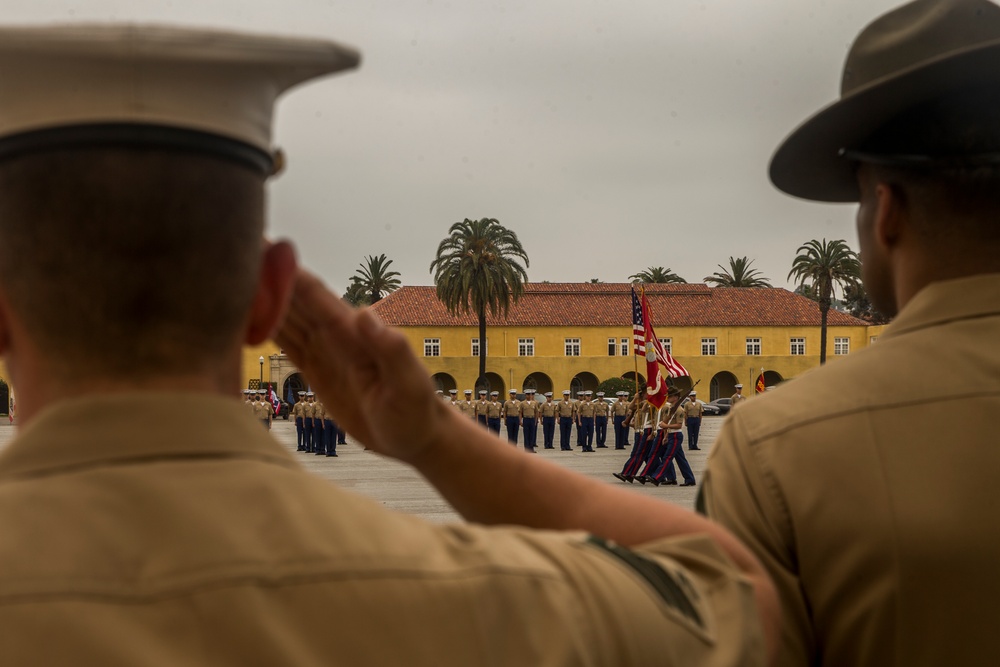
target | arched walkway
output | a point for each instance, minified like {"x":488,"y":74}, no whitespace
{"x":444,"y":382}
{"x":290,"y":389}
{"x":540,"y":382}
{"x":582,"y":382}
{"x":723,"y":385}
{"x":682,"y":383}
{"x":493,"y":383}
{"x":630,"y":376}
{"x":772,"y":378}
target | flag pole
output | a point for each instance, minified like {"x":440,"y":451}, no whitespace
{"x":635,"y":357}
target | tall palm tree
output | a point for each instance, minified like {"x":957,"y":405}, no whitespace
{"x":657,"y":274}
{"x":376,"y":278}
{"x":739,"y":274}
{"x":826,"y":265}
{"x":478,"y":268}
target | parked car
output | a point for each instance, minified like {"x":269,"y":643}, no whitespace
{"x":710,"y":410}
{"x":284,"y":410}
{"x":720,"y":404}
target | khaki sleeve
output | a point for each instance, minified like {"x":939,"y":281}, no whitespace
{"x":739,"y":492}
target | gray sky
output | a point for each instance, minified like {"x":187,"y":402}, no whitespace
{"x":609,"y":135}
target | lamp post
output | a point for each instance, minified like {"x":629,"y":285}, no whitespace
{"x":261,"y":360}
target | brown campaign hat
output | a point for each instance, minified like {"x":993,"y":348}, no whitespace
{"x":915,"y":53}
{"x":185,"y":88}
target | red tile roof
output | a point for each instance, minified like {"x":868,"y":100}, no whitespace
{"x":609,"y":304}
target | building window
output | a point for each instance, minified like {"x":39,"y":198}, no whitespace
{"x":432,"y":347}
{"x":798,"y":347}
{"x":753,"y":347}
{"x":525,"y":347}
{"x":475,"y":346}
{"x":841,"y":345}
{"x":572,"y":347}
{"x":612,"y":346}
{"x":668,"y":345}
{"x":624,"y":342}
{"x":708,"y":347}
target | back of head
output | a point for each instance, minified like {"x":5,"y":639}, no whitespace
{"x":129,"y":260}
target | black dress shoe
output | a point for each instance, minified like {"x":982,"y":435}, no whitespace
{"x":687,"y":484}
{"x":691,"y":449}
{"x":630,"y":479}
{"x":654,"y":481}
{"x":669,"y":483}
{"x":602,"y":446}
{"x":331,"y":454}
{"x":641,"y":480}
{"x":618,"y":475}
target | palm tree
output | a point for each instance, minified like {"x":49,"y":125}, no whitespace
{"x":357,"y":294}
{"x":376,"y":278}
{"x":826,"y":265}
{"x":477,"y":269}
{"x":739,"y":274}
{"x":656,"y":274}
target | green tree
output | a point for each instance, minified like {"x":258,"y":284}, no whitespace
{"x":859,"y":305}
{"x":613,"y":385}
{"x":376,"y":277}
{"x":657,"y":274}
{"x":357,"y":294}
{"x":739,"y":274}
{"x":478,"y":269}
{"x":826,"y":266}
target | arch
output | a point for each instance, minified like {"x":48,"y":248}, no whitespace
{"x":492,"y":382}
{"x":293,"y":384}
{"x":723,"y":385}
{"x":683,"y":383}
{"x":583,"y":381}
{"x":772,"y":378}
{"x":538,"y":381}
{"x":630,"y":376}
{"x":444,"y":382}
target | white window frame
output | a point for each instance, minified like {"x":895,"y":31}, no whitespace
{"x":572,"y":347}
{"x":709,"y":347}
{"x":668,"y":345}
{"x":753,"y":347}
{"x":841,"y":346}
{"x":625,"y":342}
{"x":525,"y":347}
{"x":612,"y":347}
{"x":797,"y":347}
{"x":432,"y":347}
{"x":475,"y":346}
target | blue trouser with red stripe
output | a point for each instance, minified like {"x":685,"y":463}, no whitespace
{"x":640,"y":452}
{"x":674,"y":449}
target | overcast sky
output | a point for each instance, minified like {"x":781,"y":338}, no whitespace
{"x":610,"y":135}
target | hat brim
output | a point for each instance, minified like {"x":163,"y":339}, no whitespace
{"x":808,"y":165}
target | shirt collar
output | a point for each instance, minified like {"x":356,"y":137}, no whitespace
{"x":99,"y":429}
{"x":948,"y":300}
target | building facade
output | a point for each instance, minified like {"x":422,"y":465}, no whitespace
{"x":575,"y":335}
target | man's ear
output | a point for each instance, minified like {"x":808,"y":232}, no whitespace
{"x":275,"y":283}
{"x":891,"y":209}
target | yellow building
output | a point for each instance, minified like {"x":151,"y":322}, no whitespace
{"x":573,"y":336}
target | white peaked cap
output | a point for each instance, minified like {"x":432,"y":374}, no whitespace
{"x":93,"y":76}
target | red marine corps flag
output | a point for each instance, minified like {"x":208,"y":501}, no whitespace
{"x":653,"y":351}
{"x":760,"y":387}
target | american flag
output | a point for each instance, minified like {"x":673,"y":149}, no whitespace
{"x":642,"y":331}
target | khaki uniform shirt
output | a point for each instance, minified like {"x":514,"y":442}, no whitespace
{"x":694,"y":408}
{"x":512,"y":408}
{"x":585,"y":409}
{"x":620,"y":408}
{"x":190,"y":546}
{"x":676,"y":421}
{"x":736,"y":399}
{"x":297,"y":409}
{"x":493,"y":409}
{"x":529,"y":408}
{"x":566,"y":408}
{"x":600,"y":408}
{"x":877,"y":521}
{"x":549,"y":408}
{"x":641,"y":418}
{"x":468,"y":408}
{"x":318,"y":413}
{"x":482,"y":407}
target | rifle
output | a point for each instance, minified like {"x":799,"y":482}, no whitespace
{"x":680,"y":399}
